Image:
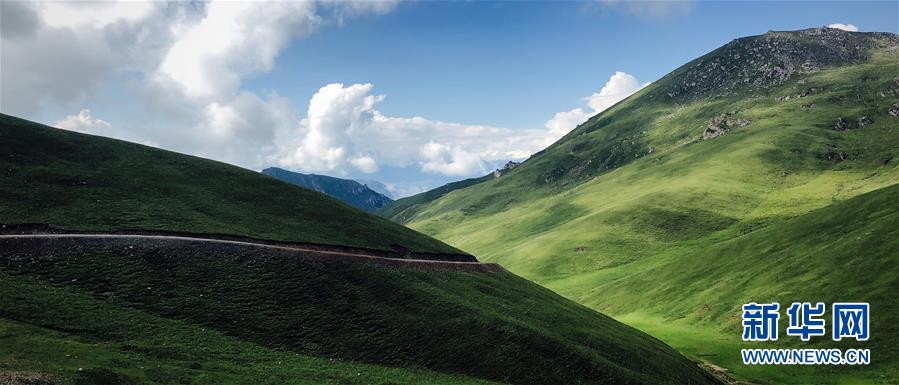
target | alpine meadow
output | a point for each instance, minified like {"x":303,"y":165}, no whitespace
{"x":764,"y":169}
{"x":394,"y":192}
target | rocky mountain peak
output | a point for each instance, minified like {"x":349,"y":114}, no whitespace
{"x":758,"y":62}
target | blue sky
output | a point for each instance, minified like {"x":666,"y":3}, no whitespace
{"x":414,"y":94}
{"x":526,"y":61}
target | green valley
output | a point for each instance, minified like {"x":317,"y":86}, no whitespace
{"x":149,"y":310}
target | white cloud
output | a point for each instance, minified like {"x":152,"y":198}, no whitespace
{"x":344,"y":130}
{"x":84,"y":122}
{"x":183,"y":62}
{"x":343,"y":10}
{"x":451,"y":161}
{"x":92,"y":13}
{"x":335,"y":112}
{"x":239,"y":116}
{"x":365,"y":164}
{"x":619,"y":86}
{"x":58,"y":52}
{"x":845,"y":27}
{"x":233,"y":40}
{"x":563,"y":122}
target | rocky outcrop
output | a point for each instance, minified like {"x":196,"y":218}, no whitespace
{"x":761,"y":62}
{"x":893,"y":91}
{"x":722,"y":124}
{"x":842,"y":124}
{"x":508,"y":167}
{"x":802,"y":94}
{"x":864,"y":121}
{"x":894,"y":110}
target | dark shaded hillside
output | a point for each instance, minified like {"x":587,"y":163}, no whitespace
{"x":347,"y":191}
{"x":489,"y":325}
{"x":84,"y":182}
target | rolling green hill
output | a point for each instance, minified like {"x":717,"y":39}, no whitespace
{"x":85,"y":182}
{"x":347,"y":191}
{"x":123,"y":311}
{"x":631,"y":211}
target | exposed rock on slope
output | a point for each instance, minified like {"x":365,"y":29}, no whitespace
{"x":894,"y":110}
{"x":723,"y":123}
{"x":508,"y":167}
{"x":759,"y":62}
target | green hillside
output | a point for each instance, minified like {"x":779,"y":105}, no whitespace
{"x":99,"y":299}
{"x":652,"y":185}
{"x":84,"y":182}
{"x":127,"y":346}
{"x":127,"y":311}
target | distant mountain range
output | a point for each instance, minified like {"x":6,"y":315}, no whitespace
{"x":351,"y":192}
{"x":377,"y":187}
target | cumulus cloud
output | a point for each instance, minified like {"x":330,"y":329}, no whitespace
{"x":233,"y":40}
{"x":183,"y":62}
{"x":845,"y":27}
{"x":619,"y":86}
{"x":58,"y":52}
{"x":73,"y":14}
{"x":563,"y":122}
{"x":84,"y":123}
{"x":335,"y":113}
{"x":365,"y":164}
{"x":343,"y":131}
{"x":451,"y":161}
{"x":18,"y":19}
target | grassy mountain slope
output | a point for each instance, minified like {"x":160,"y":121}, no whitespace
{"x":638,"y":185}
{"x":845,"y":252}
{"x":348,"y":191}
{"x":150,"y":311}
{"x":494,"y":326}
{"x":84,"y":182}
{"x":125,"y":346}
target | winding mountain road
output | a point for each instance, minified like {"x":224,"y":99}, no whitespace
{"x":425,"y":264}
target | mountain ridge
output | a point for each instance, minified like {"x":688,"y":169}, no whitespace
{"x":56,"y":176}
{"x":348,"y":191}
{"x":658,"y":179}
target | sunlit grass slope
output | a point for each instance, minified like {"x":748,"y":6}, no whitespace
{"x":845,"y":252}
{"x":84,"y":182}
{"x":622,"y":213}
